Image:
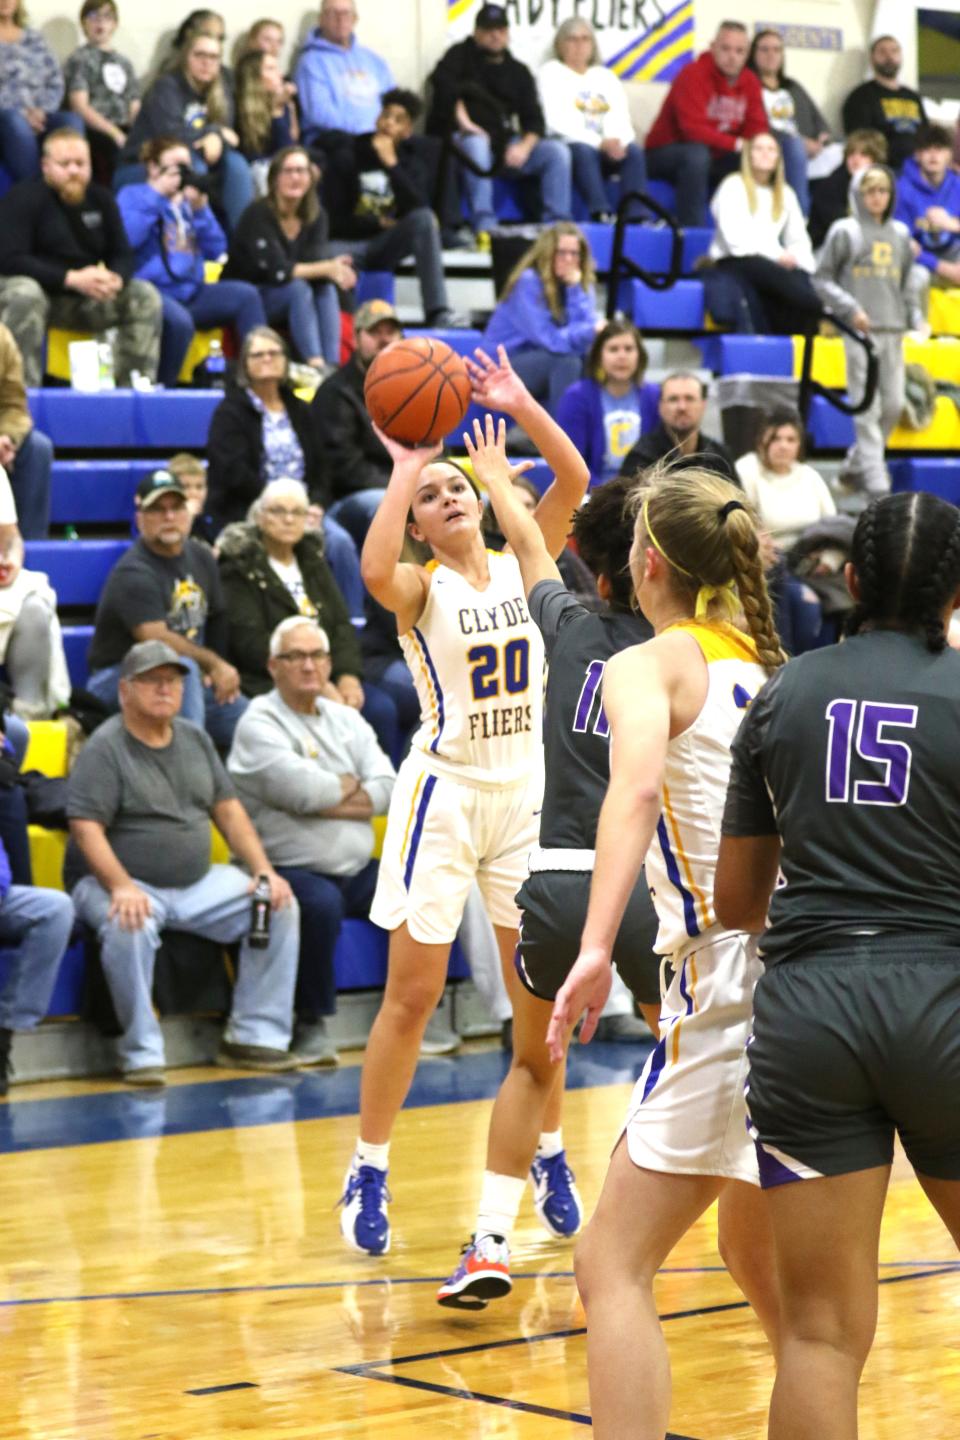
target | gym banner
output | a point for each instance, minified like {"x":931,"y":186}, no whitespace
{"x":638,"y":39}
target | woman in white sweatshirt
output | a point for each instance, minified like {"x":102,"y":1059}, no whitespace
{"x":585,"y":104}
{"x":787,"y":494}
{"x":762,"y":260}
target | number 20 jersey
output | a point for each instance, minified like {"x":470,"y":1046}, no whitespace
{"x":477,"y":661}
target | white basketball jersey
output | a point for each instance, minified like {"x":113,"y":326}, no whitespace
{"x":477,"y":661}
{"x":682,"y":860}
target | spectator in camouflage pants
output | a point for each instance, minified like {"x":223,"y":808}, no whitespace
{"x":69,"y":263}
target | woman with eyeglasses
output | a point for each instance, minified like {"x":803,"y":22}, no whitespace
{"x":273,"y":566}
{"x":280,"y":246}
{"x":192,"y":104}
{"x":261,"y":431}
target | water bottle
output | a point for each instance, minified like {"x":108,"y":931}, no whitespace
{"x":105,"y":353}
{"x":216,"y":366}
{"x":259,"y":937}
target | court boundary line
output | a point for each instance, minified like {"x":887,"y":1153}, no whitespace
{"x":374,"y":1369}
{"x":940,"y":1267}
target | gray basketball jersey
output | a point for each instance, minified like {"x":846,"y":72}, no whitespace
{"x":850,"y":755}
{"x":576,"y":736}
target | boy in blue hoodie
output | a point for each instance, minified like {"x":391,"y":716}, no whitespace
{"x":173,"y":231}
{"x":928,"y":203}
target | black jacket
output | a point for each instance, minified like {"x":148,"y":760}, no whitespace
{"x":257,"y":600}
{"x":353,"y":457}
{"x":897,"y":114}
{"x":710,"y":455}
{"x":235,"y":453}
{"x":829,"y":201}
{"x":499,"y":92}
{"x":42,"y":237}
{"x":260,"y":251}
{"x":351,"y":156}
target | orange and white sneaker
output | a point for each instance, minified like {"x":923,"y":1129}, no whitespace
{"x":482,"y":1275}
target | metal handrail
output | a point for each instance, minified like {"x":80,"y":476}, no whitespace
{"x":810,"y":387}
{"x":655,"y":279}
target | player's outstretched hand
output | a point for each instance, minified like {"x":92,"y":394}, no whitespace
{"x":404,"y":457}
{"x":487,"y":449}
{"x":495,"y":382}
{"x":586,"y":988}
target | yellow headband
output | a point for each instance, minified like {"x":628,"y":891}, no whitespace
{"x":727,"y":594}
{"x":656,"y":543}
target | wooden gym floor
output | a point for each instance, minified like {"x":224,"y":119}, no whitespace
{"x":172,"y":1267}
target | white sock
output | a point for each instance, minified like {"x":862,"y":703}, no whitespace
{"x":549,"y":1144}
{"x":499,"y":1202}
{"x":376,"y":1155}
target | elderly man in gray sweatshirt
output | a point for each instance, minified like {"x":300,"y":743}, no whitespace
{"x":311,"y":776}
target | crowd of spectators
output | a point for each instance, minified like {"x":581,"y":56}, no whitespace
{"x":238,"y":689}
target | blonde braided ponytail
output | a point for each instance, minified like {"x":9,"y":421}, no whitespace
{"x":707,"y":533}
{"x":752,"y":587}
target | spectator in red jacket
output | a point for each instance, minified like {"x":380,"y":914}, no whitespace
{"x":714,"y":105}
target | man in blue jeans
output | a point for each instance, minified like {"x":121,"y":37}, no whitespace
{"x":25,"y":453}
{"x":142,"y":796}
{"x":311,"y":774}
{"x":488,"y":100}
{"x":167,"y":587}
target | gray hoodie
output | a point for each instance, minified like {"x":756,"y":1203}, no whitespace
{"x":287,"y":770}
{"x":867,"y":265}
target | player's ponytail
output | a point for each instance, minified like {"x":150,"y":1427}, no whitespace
{"x":705,"y":531}
{"x":906,"y":552}
{"x":752,"y":586}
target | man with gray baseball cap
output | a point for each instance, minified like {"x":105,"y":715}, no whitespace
{"x":167,"y":588}
{"x":142,"y":796}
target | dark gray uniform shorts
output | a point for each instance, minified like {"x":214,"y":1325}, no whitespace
{"x":850,"y":1047}
{"x":553,"y":905}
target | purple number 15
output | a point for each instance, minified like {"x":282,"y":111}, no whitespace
{"x":859,"y":725}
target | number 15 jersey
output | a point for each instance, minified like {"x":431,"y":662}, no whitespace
{"x":477,"y":661}
{"x":850,"y":754}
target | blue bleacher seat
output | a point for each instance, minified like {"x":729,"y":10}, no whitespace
{"x":938,"y":474}
{"x":829,"y":429}
{"x":376,"y":285}
{"x":67,"y":997}
{"x":360,"y":959}
{"x":679,"y":308}
{"x":647,"y":245}
{"x":665,"y":192}
{"x":464,"y":342}
{"x":747,"y":354}
{"x":124,"y":419}
{"x":77,"y":569}
{"x":76,"y":642}
{"x":95,"y":491}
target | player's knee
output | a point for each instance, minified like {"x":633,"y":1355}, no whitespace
{"x":412,"y":1004}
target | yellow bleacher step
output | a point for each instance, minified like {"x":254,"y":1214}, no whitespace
{"x":58,"y":356}
{"x":942,"y":434}
{"x":47,"y":849}
{"x":47,"y":748}
{"x":944,"y":311}
{"x":939,"y":357}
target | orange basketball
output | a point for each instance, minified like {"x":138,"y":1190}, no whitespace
{"x":417,"y":390}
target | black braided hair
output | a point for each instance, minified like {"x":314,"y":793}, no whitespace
{"x":906,"y":552}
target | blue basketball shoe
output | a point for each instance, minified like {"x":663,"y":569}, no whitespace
{"x":363,"y":1221}
{"x":556,"y":1198}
